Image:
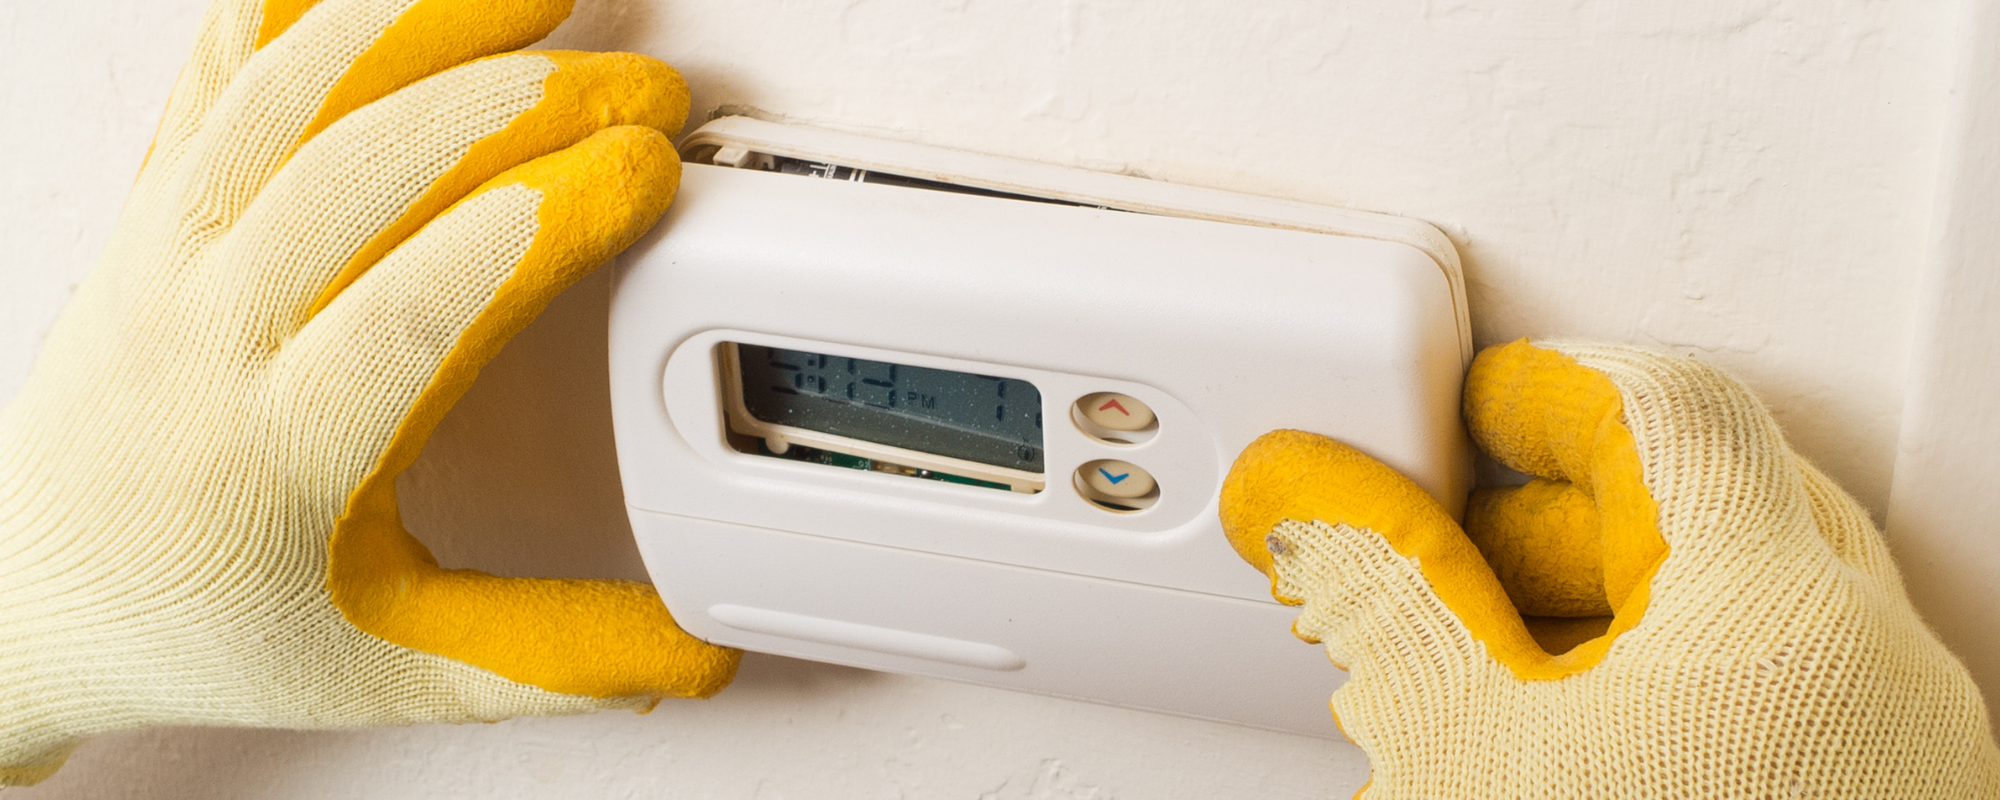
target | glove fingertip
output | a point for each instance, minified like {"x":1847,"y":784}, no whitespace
{"x":1253,"y":496}
{"x":1289,"y":474}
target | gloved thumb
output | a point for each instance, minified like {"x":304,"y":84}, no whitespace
{"x":1387,"y":568}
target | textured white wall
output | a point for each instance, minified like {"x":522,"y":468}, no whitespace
{"x":1747,"y":180}
{"x":1944,"y":512}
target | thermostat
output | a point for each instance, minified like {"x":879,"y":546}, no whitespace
{"x":926,"y":411}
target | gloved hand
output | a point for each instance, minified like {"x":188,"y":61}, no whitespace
{"x":1759,"y":642}
{"x":346,"y":212}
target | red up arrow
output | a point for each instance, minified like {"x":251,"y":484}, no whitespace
{"x":1113,"y":403}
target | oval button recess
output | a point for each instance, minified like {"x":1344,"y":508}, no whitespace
{"x":867,"y":637}
{"x":1118,"y":412}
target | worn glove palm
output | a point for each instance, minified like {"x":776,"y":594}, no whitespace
{"x":1760,"y":643}
{"x":346,"y":212}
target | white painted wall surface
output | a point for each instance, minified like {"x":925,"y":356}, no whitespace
{"x":1944,"y":512}
{"x":1751,"y":181}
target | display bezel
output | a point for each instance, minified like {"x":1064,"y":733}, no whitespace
{"x":779,"y":438}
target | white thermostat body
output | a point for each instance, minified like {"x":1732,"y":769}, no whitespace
{"x":931,"y":412}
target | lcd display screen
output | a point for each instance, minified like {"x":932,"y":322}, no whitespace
{"x":979,"y":418}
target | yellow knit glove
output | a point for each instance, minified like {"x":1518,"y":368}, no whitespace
{"x":1759,"y":642}
{"x":346,"y":212}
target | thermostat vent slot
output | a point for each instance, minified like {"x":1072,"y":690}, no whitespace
{"x":766,"y":162}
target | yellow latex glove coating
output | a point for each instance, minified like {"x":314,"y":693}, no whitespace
{"x":1761,"y":644}
{"x":348,"y":209}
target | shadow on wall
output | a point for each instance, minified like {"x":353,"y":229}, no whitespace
{"x":786,"y":729}
{"x":614,"y":754}
{"x":521,"y":477}
{"x":608,"y":25}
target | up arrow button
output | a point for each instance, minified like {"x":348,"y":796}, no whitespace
{"x":1114,"y":411}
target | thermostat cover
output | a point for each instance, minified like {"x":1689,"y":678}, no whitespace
{"x":1224,"y":316}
